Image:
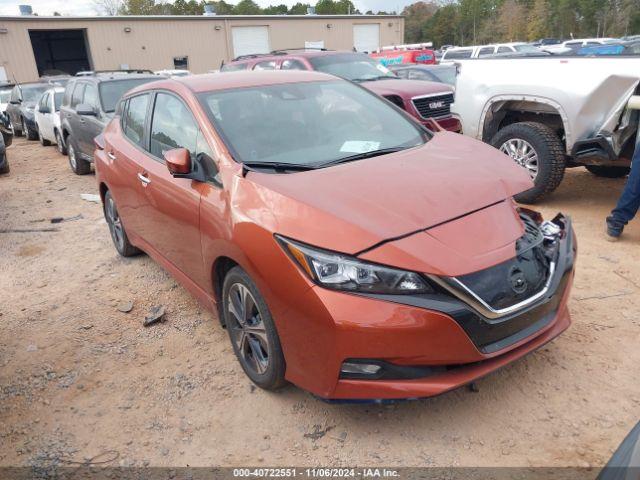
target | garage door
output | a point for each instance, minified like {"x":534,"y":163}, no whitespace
{"x":248,"y":40}
{"x":366,"y":37}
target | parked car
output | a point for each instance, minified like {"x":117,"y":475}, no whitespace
{"x":480,"y":51}
{"x":344,"y":249}
{"x":5,"y":96}
{"x":21,"y":108}
{"x":402,"y":56}
{"x":432,"y":73}
{"x":571,"y":46}
{"x":622,"y":48}
{"x":47,"y":115}
{"x":88,"y":104}
{"x":624,"y":464}
{"x":534,"y":110}
{"x":423,"y":100}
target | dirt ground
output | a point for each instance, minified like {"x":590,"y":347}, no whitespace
{"x":80,"y":379}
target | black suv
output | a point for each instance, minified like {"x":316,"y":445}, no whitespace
{"x":21,"y":108}
{"x":88,"y":104}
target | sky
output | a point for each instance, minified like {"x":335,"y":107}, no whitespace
{"x":86,"y":7}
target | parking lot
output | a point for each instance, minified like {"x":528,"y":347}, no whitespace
{"x":80,"y":379}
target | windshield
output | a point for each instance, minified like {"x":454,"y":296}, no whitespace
{"x":352,"y":66}
{"x":526,"y":48}
{"x":57,"y":100}
{"x":112,"y":91}
{"x":31,"y":93}
{"x":309,"y":124}
{"x":5,"y":95}
{"x":446,"y":74}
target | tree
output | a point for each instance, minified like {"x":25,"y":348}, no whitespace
{"x":416,"y":16}
{"x":281,"y":9}
{"x":221,"y":7}
{"x":107,"y":7}
{"x":512,"y":21}
{"x":299,"y":9}
{"x":247,"y":7}
{"x":538,"y":21}
{"x":138,"y":7}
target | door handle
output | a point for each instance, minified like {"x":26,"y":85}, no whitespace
{"x":145,"y":180}
{"x":111,"y":156}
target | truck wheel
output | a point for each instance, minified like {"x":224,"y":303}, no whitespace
{"x":78,"y":165}
{"x":538,"y":149}
{"x":28,"y":132}
{"x":608,"y":171}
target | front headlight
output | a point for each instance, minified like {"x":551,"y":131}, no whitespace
{"x":341,"y":272}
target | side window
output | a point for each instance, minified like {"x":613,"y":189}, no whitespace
{"x":234,"y":67}
{"x":172,"y":126}
{"x":504,"y":50}
{"x":134,"y":118}
{"x":78,"y":95}
{"x":292,"y":65}
{"x":43,"y":101}
{"x":268,"y":65}
{"x":485,"y":51}
{"x":91,"y":96}
{"x":66,"y":100}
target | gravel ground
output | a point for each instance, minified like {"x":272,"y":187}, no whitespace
{"x":79,"y":379}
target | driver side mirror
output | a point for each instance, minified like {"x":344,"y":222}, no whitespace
{"x":86,"y":110}
{"x":15,"y":102}
{"x":178,"y":161}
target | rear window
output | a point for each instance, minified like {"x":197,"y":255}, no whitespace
{"x":31,"y":93}
{"x":57,"y":100}
{"x":112,"y":91}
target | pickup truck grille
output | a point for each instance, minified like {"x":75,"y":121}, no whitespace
{"x":434,"y":106}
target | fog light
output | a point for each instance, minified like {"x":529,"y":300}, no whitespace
{"x":354,"y":369}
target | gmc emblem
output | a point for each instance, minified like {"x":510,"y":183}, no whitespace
{"x":434,"y":105}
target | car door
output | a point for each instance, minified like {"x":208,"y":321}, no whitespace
{"x":170,"y":207}
{"x":73,"y":119}
{"x":90,"y":125}
{"x":47,"y":120}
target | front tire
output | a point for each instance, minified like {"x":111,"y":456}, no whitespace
{"x":538,"y":149}
{"x":30,"y":133}
{"x":5,"y":168}
{"x":116,"y":228}
{"x":77,"y":164}
{"x":15,"y":131}
{"x":608,"y":171}
{"x":252,"y":331}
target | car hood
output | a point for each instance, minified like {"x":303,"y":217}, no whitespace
{"x":356,"y":205}
{"x":406,"y":88}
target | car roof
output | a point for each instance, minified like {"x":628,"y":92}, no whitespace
{"x":242,"y":79}
{"x":292,"y":53}
{"x":103,"y":77}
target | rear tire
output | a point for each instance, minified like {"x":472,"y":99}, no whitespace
{"x":15,"y":131}
{"x":60,"y":144}
{"x":5,"y":168}
{"x":77,"y":164}
{"x":30,"y":133}
{"x":608,"y":171}
{"x":43,"y":142}
{"x":252,"y":331}
{"x":547,"y":147}
{"x":116,"y":228}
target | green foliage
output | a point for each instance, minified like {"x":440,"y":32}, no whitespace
{"x":247,"y":7}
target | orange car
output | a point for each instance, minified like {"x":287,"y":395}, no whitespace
{"x":346,"y":248}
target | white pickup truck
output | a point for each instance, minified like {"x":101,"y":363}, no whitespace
{"x":551,"y":113}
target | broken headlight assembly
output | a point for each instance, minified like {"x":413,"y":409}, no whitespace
{"x":342,"y":272}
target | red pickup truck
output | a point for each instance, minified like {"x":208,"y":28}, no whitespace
{"x":426,"y":101}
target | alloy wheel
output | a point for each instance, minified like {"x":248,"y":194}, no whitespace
{"x":115,"y":224}
{"x":72,"y":157}
{"x":247,"y":329}
{"x":523,"y":154}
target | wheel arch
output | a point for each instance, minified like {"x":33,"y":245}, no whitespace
{"x":504,"y":110}
{"x":221,"y":266}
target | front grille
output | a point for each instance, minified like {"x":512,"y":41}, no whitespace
{"x":434,"y":106}
{"x":517,"y":279}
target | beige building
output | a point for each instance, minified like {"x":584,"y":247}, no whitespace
{"x":31,"y":46}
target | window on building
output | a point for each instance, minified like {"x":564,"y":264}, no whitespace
{"x":181,"y":63}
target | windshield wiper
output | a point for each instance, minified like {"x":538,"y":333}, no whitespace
{"x":373,"y":79}
{"x":277,"y":166}
{"x":362,"y":156}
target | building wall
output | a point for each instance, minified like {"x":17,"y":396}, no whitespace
{"x":153,"y":42}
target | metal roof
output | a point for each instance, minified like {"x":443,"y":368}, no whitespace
{"x":40,"y":18}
